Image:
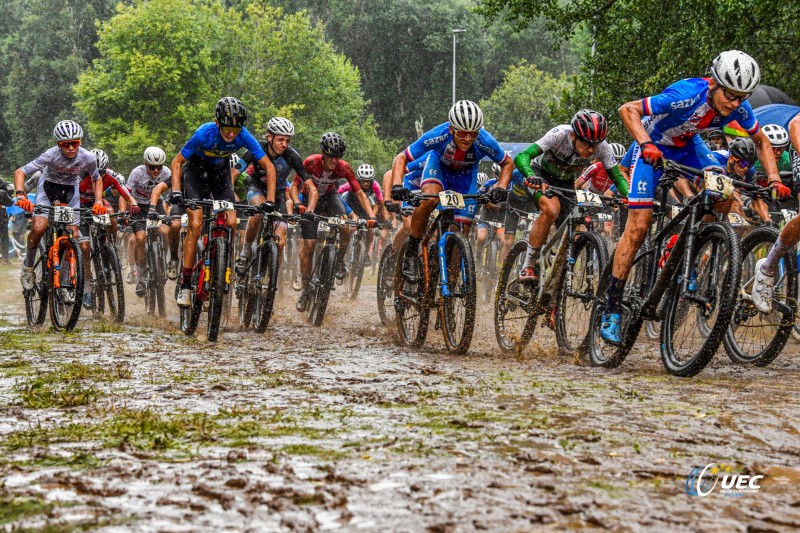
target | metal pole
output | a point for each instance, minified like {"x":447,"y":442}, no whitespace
{"x":455,"y":32}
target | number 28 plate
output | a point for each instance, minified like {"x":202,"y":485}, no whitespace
{"x":451,"y":199}
{"x":62,"y":213}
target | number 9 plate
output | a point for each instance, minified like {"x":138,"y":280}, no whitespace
{"x":451,"y":200}
{"x":718,"y":185}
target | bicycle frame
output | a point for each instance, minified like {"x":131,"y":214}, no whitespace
{"x":214,"y":225}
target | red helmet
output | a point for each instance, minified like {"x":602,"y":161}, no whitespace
{"x":590,"y":126}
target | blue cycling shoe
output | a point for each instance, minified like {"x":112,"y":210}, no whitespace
{"x":610,"y":329}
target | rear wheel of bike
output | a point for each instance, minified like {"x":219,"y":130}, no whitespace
{"x":489,"y":269}
{"x":514,"y":303}
{"x":190,"y":316}
{"x":457,"y":311}
{"x":574,"y":304}
{"x":604,"y":354}
{"x":245,"y":293}
{"x":219,"y":269}
{"x":411,"y":303}
{"x":385,"y":286}
{"x":65,"y":303}
{"x":97,"y":282}
{"x":150,"y":286}
{"x":114,"y":287}
{"x":357,"y":269}
{"x":36,"y":298}
{"x":323,"y":283}
{"x":755,"y":338}
{"x":716,"y":266}
{"x":266,"y":288}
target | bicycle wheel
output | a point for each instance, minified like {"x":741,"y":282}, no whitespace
{"x":514,"y":304}
{"x":150,"y":285}
{"x":158,"y":277}
{"x":356,"y":269}
{"x":219,"y":272}
{"x":245,"y":292}
{"x":113,"y":286}
{"x":756,"y":338}
{"x":576,"y":292}
{"x":322,"y":278}
{"x":716,"y":262}
{"x":266,"y":287}
{"x":65,"y":302}
{"x":411,"y":302}
{"x":489,"y":269}
{"x":97,"y":282}
{"x":385,"y":286}
{"x":603,"y":354}
{"x":36,"y":298}
{"x":190,"y":316}
{"x":457,"y":310}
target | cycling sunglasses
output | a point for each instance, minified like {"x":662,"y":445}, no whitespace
{"x":742,"y":163}
{"x":735,"y":97}
{"x":154,"y":167}
{"x":229,"y":130}
{"x":464,"y":135}
{"x":69,"y":144}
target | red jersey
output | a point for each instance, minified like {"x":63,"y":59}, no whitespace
{"x":327,"y":182}
{"x":86,"y":187}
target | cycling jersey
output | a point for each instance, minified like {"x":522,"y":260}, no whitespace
{"x":325,"y":181}
{"x":86,"y":188}
{"x":784,"y":163}
{"x":375,"y":195}
{"x":780,"y":114}
{"x":486,"y":214}
{"x":208,"y":145}
{"x":596,"y":175}
{"x":141,"y":185}
{"x":440,"y":141}
{"x":284,"y":164}
{"x":58,"y":169}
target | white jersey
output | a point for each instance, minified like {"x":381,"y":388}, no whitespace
{"x":559,"y":157}
{"x":141,"y":184}
{"x":58,"y":169}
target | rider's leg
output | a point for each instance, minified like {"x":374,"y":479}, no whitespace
{"x":38,"y":227}
{"x":630,"y":242}
{"x":193,"y":230}
{"x":549,"y":208}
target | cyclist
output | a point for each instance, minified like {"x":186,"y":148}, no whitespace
{"x":63,"y":167}
{"x":208,"y":175}
{"x":789,"y":237}
{"x":366,"y":179}
{"x":285,"y":159}
{"x":556,"y":159}
{"x":487,"y":213}
{"x":717,"y":138}
{"x":666,"y":125}
{"x":86,"y":191}
{"x":451,"y":152}
{"x":320,"y":197}
{"x":141,"y":182}
{"x":596,"y":179}
{"x":779,"y":139}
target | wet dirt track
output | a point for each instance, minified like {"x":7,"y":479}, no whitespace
{"x":138,"y":427}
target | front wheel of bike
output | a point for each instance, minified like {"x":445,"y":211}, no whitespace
{"x":356,"y":274}
{"x":65,"y":302}
{"x":385,"y":286}
{"x":755,"y":338}
{"x":264,"y":291}
{"x":514,"y":303}
{"x":36,"y":298}
{"x":715,"y":266}
{"x":190,"y":315}
{"x":575,"y":295}
{"x":411,"y":305}
{"x":323,"y":283}
{"x":216,"y":291}
{"x":114,"y":287}
{"x":457,"y":310}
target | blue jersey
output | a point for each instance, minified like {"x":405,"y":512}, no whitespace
{"x":780,"y":114}
{"x":674,"y":117}
{"x":517,"y":186}
{"x":722,"y":158}
{"x":484,"y":189}
{"x":440,"y":141}
{"x":210,"y":147}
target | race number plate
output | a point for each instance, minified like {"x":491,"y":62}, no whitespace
{"x":63,"y":213}
{"x":222,"y":205}
{"x":292,"y":225}
{"x":735,"y":219}
{"x":102,"y":220}
{"x":718,"y":185}
{"x":335,"y":221}
{"x":605,"y":217}
{"x":788,"y":215}
{"x":184,"y":220}
{"x":533,"y":216}
{"x":322,"y":226}
{"x":452,"y":200}
{"x":675,"y":211}
{"x":586,"y":198}
{"x":153,"y":223}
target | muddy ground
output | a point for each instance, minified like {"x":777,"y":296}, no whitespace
{"x":137,"y":427}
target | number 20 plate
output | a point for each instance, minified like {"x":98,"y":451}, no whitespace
{"x":452,"y":199}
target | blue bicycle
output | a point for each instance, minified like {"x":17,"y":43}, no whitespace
{"x":447,"y":279}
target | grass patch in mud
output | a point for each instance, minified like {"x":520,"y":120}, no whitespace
{"x":24,"y":341}
{"x":316,"y":451}
{"x":65,"y":386}
{"x":77,"y":461}
{"x":13,"y":508}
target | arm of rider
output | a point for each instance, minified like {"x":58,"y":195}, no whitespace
{"x":99,"y":208}
{"x":523,"y":160}
{"x":155,"y":195}
{"x":313,"y":195}
{"x":506,"y":168}
{"x":269,"y":168}
{"x":632,"y":114}
{"x":364,"y":201}
{"x":766,"y":156}
{"x":398,"y":169}
{"x":177,"y":172}
{"x":684,"y":187}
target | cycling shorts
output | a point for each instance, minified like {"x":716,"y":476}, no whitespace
{"x":49,"y":193}
{"x":138,"y":222}
{"x":204,"y":181}
{"x":329,"y":205}
{"x":464,"y":181}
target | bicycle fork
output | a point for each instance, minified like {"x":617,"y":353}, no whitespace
{"x":444,"y":274}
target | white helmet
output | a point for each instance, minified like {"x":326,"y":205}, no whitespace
{"x":365,"y":172}
{"x":482,"y":178}
{"x":101,"y":157}
{"x":618,"y":150}
{"x":496,"y":169}
{"x":777,"y":135}
{"x":233,"y":160}
{"x":736,"y":71}
{"x":153,"y":155}
{"x":466,"y":115}
{"x":280,"y":126}
{"x":67,"y":130}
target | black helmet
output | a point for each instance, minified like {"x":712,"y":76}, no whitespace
{"x":590,"y":126}
{"x":332,"y":144}
{"x":743,"y":148}
{"x":230,"y":112}
{"x":716,"y":134}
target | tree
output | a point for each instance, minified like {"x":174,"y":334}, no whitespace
{"x":641,"y":46}
{"x":520,"y":109}
{"x":164,"y":64}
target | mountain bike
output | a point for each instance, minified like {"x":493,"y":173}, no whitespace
{"x":447,"y":278}
{"x":155,"y":274}
{"x":107,"y":283}
{"x":58,"y":272}
{"x":569,"y":266}
{"x":487,"y":263}
{"x":211,"y":272}
{"x":693,"y":295}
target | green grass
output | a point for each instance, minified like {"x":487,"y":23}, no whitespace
{"x":24,"y":341}
{"x":65,"y":387}
{"x":310,"y":449}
